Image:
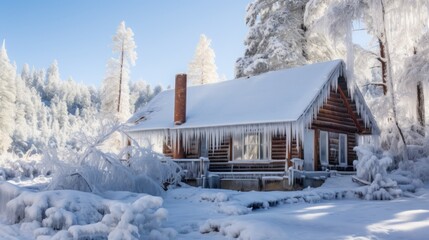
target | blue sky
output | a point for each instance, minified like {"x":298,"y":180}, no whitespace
{"x":78,"y":34}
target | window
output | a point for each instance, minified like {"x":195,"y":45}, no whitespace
{"x":250,"y":146}
{"x":342,"y":152}
{"x":323,"y":148}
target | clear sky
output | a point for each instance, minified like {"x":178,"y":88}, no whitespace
{"x":78,"y":34}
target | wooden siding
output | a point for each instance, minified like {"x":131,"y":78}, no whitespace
{"x":339,"y":115}
{"x":220,"y":159}
{"x":193,"y":150}
{"x":220,"y":156}
{"x":167,"y":150}
{"x":278,"y":149}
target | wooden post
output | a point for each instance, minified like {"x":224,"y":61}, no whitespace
{"x":230,"y":156}
{"x":289,"y":153}
{"x":178,"y":150}
{"x":300,"y":150}
{"x":316,"y":149}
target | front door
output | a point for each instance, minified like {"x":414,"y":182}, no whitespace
{"x":309,"y":150}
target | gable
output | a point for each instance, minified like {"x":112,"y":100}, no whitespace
{"x":340,"y":112}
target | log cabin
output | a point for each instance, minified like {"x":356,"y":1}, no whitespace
{"x":260,"y":123}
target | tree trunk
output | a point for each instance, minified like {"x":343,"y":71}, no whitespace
{"x":420,"y":105}
{"x":120,"y":78}
{"x":382,"y":60}
{"x":390,"y":78}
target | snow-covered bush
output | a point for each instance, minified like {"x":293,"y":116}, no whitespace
{"x":371,"y":162}
{"x":411,"y":174}
{"x":69,"y":214}
{"x":372,"y":166}
{"x":135,"y":169}
{"x":389,"y":178}
{"x":13,"y":168}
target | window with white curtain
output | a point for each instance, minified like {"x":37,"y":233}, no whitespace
{"x":323,"y":148}
{"x":250,"y":146}
{"x":342,"y":152}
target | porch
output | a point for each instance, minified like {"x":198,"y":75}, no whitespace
{"x":197,"y":172}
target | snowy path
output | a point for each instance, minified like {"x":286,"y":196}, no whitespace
{"x":191,"y":212}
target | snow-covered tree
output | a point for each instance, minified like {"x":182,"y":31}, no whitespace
{"x":52,"y":81}
{"x":115,"y":91}
{"x":415,"y":84}
{"x":202,"y":69}
{"x":141,"y":94}
{"x":276,"y":37}
{"x":26,"y":75}
{"x":388,"y":21}
{"x":7,"y":99}
{"x":319,"y":44}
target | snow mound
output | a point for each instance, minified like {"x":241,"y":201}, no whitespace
{"x":245,"y":229}
{"x":214,"y":197}
{"x":69,"y":214}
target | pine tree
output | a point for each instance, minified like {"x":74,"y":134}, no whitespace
{"x":52,"y":84}
{"x":7,"y":99}
{"x":115,"y":88}
{"x":276,"y":37}
{"x":202,"y":69}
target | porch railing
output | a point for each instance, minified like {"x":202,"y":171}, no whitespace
{"x":194,"y":168}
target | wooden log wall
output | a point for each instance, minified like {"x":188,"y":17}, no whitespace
{"x":167,"y":150}
{"x":220,"y":159}
{"x":339,"y":115}
{"x":193,"y":150}
{"x":278,"y":147}
{"x":220,"y":156}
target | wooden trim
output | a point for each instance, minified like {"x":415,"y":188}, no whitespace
{"x":230,"y":149}
{"x":178,"y":150}
{"x":338,"y":127}
{"x":301,"y":150}
{"x":350,"y":110}
{"x":316,"y":149}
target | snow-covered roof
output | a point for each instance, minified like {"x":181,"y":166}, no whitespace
{"x":290,"y":96}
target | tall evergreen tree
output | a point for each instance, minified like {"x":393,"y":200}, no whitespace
{"x":276,"y":37}
{"x":52,"y":85}
{"x":7,"y":99}
{"x":115,"y":91}
{"x":202,"y":69}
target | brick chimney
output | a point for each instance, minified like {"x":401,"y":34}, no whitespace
{"x":179,"y":112}
{"x":180,"y":100}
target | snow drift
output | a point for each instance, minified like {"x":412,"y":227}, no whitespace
{"x":69,"y":214}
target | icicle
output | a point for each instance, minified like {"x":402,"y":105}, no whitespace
{"x":214,"y":136}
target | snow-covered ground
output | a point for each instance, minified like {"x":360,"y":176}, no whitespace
{"x":332,"y":211}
